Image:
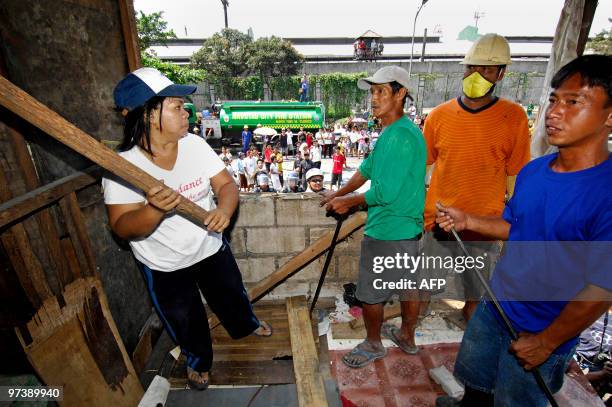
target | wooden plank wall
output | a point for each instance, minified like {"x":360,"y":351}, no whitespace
{"x":82,"y":50}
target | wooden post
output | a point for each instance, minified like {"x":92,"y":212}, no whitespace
{"x":45,"y":219}
{"x":30,"y":109}
{"x":25,"y":263}
{"x":308,"y":379}
{"x":130,"y":34}
{"x":76,"y":227}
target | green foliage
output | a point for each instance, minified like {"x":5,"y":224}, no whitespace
{"x":230,"y":56}
{"x":239,"y":68}
{"x":152,"y":28}
{"x":176,"y":73}
{"x":223,"y":57}
{"x":273,"y":57}
{"x":602,"y":43}
{"x":339,"y":91}
{"x":249,"y":88}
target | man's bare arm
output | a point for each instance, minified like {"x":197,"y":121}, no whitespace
{"x":490,"y":226}
{"x":588,"y":305}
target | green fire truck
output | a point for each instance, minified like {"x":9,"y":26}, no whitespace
{"x":233,"y":116}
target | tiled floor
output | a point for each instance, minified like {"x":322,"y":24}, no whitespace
{"x":401,"y":380}
{"x":398,"y":380}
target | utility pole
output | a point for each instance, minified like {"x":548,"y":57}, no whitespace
{"x":424,"y":43}
{"x":477,"y":16}
{"x":225,"y":6}
{"x":413,"y":32}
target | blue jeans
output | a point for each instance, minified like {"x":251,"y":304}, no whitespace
{"x":485,"y":364}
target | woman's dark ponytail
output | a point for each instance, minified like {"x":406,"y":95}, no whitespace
{"x":137,"y":125}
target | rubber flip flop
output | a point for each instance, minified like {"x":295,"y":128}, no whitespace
{"x":368,"y":355}
{"x":194,"y":384}
{"x":267,"y":327}
{"x":394,"y":334}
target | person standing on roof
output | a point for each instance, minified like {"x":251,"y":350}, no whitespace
{"x":304,"y":89}
{"x":476,"y":143}
{"x":396,"y":170}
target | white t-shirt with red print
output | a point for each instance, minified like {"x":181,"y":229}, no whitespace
{"x":176,"y":243}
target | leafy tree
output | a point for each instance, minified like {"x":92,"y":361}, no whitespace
{"x":602,"y":43}
{"x":176,"y":73}
{"x":223,"y":57}
{"x":152,"y":28}
{"x":274,"y":57}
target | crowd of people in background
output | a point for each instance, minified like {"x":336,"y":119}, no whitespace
{"x":291,"y":161}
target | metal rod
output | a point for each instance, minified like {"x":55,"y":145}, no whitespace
{"x":536,"y":372}
{"x":414,"y":32}
{"x":330,"y":253}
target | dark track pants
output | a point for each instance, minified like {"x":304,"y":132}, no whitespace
{"x":177,"y":300}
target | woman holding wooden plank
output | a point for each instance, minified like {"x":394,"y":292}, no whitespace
{"x":178,"y":258}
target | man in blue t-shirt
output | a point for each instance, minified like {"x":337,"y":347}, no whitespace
{"x":560,"y":282}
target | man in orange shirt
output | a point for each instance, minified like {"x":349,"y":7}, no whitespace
{"x":476,"y":143}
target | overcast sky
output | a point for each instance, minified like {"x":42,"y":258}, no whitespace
{"x":350,"y":18}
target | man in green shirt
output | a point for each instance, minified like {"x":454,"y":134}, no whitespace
{"x":396,"y":198}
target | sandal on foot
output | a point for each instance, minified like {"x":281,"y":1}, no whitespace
{"x":369,"y":356}
{"x":267,"y":329}
{"x":196,"y":385}
{"x":395,"y":335}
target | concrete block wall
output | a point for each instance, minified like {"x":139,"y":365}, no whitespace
{"x":270,"y":229}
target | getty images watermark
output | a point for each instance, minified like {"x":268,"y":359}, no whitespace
{"x":423,"y":265}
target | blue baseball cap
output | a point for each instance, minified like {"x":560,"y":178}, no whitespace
{"x":143,"y":84}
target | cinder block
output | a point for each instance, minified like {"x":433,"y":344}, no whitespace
{"x":348,"y":268}
{"x":316,"y":232}
{"x":255,"y":269}
{"x":256,"y":210}
{"x":353,"y":243}
{"x":237,"y":241}
{"x":275,"y":240}
{"x":305,"y":211}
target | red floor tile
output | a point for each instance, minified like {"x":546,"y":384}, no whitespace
{"x":408,"y":397}
{"x":406,"y":370}
{"x":349,"y":378}
{"x":440,"y":354}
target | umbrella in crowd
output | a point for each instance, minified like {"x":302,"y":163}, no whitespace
{"x":265,"y":131}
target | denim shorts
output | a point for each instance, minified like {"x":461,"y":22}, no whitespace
{"x":484,"y":363}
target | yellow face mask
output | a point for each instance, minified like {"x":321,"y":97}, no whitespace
{"x":475,"y":86}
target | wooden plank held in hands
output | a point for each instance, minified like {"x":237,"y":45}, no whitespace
{"x":25,"y":106}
